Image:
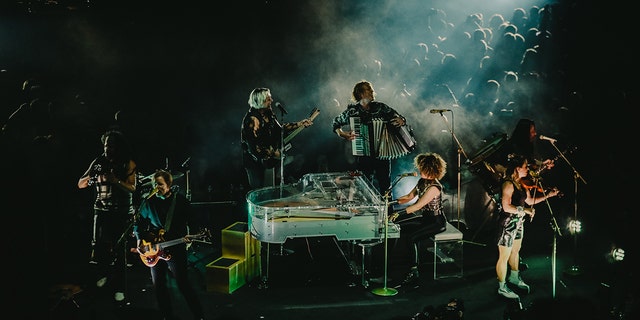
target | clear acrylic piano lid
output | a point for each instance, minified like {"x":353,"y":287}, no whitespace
{"x":341,"y":204}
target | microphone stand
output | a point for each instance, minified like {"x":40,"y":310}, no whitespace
{"x":575,"y":268}
{"x":282,"y":113}
{"x":460,"y":151}
{"x":386,"y":291}
{"x":556,"y":233}
{"x":283,"y":251}
{"x":186,"y":173}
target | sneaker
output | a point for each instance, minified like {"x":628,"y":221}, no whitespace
{"x":519,"y":283}
{"x":507,"y":293}
{"x":118,"y":296}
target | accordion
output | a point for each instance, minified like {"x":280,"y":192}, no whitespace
{"x":381,"y":139}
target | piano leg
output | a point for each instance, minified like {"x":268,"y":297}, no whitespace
{"x":365,"y":248}
{"x":353,"y":269}
{"x":264,"y":266}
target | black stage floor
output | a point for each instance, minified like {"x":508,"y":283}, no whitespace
{"x":316,"y":282}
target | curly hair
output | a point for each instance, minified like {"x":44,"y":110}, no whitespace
{"x":431,"y":164}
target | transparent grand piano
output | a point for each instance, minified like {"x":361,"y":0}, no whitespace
{"x":342,"y":205}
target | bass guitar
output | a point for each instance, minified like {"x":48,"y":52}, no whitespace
{"x":151,"y":253}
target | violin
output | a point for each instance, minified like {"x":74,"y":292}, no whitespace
{"x":529,"y":185}
{"x":530,"y":182}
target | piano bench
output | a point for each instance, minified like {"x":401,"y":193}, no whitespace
{"x":447,"y":253}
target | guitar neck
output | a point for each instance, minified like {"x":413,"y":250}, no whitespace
{"x":293,"y":133}
{"x":287,"y":139}
{"x":170,"y":243}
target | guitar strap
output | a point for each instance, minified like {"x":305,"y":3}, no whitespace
{"x":170,"y":213}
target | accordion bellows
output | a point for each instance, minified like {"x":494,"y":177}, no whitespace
{"x":380,"y":139}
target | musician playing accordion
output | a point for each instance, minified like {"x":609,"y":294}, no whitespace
{"x":366,"y":110}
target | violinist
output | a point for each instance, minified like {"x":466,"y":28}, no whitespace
{"x":523,"y":142}
{"x":515,"y":198}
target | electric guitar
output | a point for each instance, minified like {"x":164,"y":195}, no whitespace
{"x":151,"y":253}
{"x":273,"y":161}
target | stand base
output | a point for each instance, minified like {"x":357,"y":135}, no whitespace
{"x":385,"y":292}
{"x":574,"y":270}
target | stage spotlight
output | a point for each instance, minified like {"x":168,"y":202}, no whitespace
{"x":617,"y":254}
{"x":574,"y":226}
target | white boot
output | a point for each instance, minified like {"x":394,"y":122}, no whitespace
{"x":514,"y":278}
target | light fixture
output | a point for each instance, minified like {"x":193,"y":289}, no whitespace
{"x":617,"y":254}
{"x":574,"y":226}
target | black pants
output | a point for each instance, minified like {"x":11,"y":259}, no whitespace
{"x":377,"y":171}
{"x":177,"y":264}
{"x":417,"y":230}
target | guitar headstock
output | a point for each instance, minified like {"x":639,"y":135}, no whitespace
{"x":204,"y":236}
{"x":314,"y":113}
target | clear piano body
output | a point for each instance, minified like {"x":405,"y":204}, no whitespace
{"x":341,"y":204}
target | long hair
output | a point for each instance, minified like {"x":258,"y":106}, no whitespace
{"x":520,"y":140}
{"x":515,"y":161}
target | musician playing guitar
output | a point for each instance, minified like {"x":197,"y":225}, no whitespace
{"x":261,"y":135}
{"x":165,"y":215}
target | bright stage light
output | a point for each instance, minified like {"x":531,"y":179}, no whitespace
{"x":617,"y":254}
{"x":574,"y":226}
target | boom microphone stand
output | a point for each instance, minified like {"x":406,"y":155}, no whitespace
{"x":283,"y":111}
{"x":459,"y":151}
{"x":575,"y":268}
{"x":556,"y":234}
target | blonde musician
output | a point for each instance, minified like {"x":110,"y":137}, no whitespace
{"x":261,"y":137}
{"x":365,"y":107}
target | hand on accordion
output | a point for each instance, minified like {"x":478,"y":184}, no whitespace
{"x":398,"y":121}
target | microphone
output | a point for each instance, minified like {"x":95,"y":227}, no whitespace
{"x":408,"y":174}
{"x":153,"y":192}
{"x":282,"y":109}
{"x":552,"y":140}
{"x":439,"y":110}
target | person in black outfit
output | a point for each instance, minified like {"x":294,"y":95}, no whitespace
{"x":113,"y":174}
{"x":366,"y":108}
{"x":425,"y":217}
{"x":166,"y":215}
{"x":261,"y":135}
{"x":522,"y":141}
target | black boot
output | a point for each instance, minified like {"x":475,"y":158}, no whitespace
{"x":411,"y":277}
